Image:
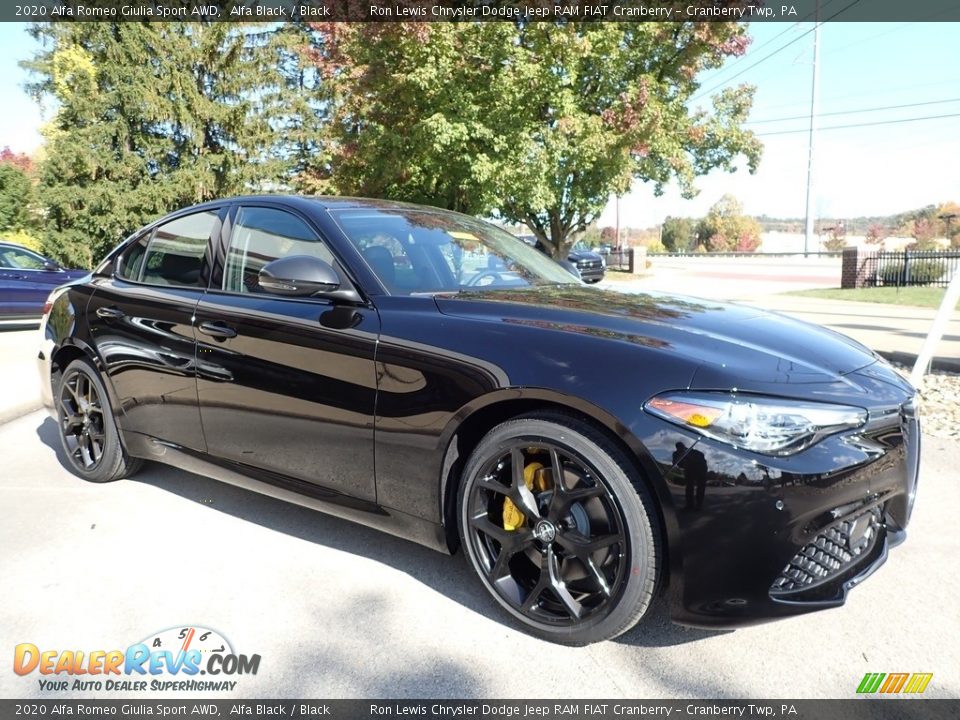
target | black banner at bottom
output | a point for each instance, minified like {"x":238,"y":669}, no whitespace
{"x":894,"y":708}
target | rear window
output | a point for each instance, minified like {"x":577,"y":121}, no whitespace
{"x":175,"y":253}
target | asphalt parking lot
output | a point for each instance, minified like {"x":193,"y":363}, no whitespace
{"x":337,"y":610}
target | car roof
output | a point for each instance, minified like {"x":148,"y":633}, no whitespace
{"x":328,"y":202}
{"x":7,"y":243}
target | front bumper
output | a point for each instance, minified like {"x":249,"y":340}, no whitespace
{"x":764,"y":538}
{"x":591,"y":274}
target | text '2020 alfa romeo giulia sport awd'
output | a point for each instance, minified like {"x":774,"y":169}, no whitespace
{"x":430,"y":375}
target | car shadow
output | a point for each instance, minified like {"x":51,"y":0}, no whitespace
{"x":449,"y":576}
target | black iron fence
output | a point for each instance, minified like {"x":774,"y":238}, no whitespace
{"x":618,"y":259}
{"x":912,"y":267}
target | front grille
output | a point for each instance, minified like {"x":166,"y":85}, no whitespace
{"x":830,"y":554}
{"x":588,"y":264}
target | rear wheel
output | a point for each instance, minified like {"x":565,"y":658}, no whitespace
{"x":88,"y":431}
{"x":559,"y":529}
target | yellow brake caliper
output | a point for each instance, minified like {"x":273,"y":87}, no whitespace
{"x":535,"y":476}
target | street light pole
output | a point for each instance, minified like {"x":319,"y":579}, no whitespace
{"x":618,"y":223}
{"x":808,"y":234}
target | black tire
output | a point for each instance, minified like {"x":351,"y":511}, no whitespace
{"x":582,"y":564}
{"x":88,"y":431}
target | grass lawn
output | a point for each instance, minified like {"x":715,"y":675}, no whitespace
{"x":918,"y":296}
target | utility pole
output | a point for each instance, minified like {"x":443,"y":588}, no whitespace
{"x":808,"y":234}
{"x":618,"y":223}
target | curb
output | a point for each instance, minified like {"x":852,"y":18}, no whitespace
{"x":14,"y":412}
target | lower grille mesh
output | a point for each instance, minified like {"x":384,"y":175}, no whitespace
{"x":832,"y":552}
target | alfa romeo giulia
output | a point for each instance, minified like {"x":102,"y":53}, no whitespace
{"x":430,"y":375}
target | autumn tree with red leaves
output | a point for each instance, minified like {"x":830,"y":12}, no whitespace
{"x":16,"y":190}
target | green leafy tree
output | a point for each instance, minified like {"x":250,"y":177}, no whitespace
{"x":727,"y":229}
{"x":155,"y":116}
{"x":537,"y":122}
{"x":592,"y":237}
{"x":679,"y":234}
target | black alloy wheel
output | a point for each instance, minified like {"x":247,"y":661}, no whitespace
{"x":88,"y":432}
{"x":558,"y":530}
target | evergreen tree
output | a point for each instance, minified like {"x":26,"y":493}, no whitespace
{"x":155,"y":116}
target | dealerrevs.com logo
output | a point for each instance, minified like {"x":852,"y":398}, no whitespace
{"x":171,"y":659}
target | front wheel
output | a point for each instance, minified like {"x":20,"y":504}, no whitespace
{"x":88,"y":431}
{"x":559,"y":529}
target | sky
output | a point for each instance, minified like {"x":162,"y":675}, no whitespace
{"x":875,"y":170}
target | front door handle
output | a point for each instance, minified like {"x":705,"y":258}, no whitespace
{"x":109,"y":313}
{"x":217,"y":330}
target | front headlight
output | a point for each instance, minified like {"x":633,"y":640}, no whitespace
{"x":771,"y":426}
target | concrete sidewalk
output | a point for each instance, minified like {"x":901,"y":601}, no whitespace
{"x":19,"y":382}
{"x":895,"y":331}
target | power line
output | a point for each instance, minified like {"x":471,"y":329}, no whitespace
{"x":772,"y":40}
{"x":853,"y":112}
{"x":895,"y":90}
{"x":775,"y":52}
{"x":896,"y":28}
{"x":859,"y":125}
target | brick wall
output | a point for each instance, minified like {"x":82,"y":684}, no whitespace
{"x":858,"y":266}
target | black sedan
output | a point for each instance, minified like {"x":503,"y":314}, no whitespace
{"x":430,"y":375}
{"x":26,"y":279}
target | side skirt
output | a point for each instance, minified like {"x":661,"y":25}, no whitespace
{"x":298,"y":492}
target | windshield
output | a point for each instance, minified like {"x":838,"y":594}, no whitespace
{"x":429,"y":251}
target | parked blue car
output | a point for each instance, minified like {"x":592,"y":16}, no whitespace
{"x":26,"y":279}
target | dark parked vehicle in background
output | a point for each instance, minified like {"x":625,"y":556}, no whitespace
{"x":430,"y":375}
{"x":26,"y":279}
{"x":590,"y":264}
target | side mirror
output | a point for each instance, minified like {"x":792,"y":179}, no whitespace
{"x":298,"y":276}
{"x":50,"y":265}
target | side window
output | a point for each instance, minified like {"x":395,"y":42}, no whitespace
{"x":175,"y":253}
{"x":131,"y":263}
{"x":20,"y":259}
{"x":261,"y":235}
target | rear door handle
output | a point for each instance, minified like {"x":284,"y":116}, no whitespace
{"x":217,"y":330}
{"x":109,"y":313}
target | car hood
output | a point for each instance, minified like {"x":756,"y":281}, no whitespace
{"x":727,"y":342}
